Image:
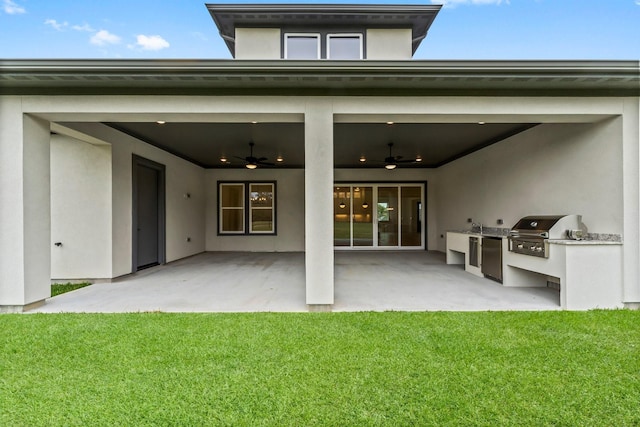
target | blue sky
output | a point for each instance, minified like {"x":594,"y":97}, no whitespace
{"x":464,"y":29}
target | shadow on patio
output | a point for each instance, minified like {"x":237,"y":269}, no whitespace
{"x":258,"y":282}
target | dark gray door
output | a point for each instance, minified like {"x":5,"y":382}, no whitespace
{"x":148,"y":216}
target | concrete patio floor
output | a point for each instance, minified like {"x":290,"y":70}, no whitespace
{"x":263,"y":282}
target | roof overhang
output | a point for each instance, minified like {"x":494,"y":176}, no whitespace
{"x":409,"y":78}
{"x":230,"y":16}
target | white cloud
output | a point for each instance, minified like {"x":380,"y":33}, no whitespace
{"x":83,"y":27}
{"x":151,"y":42}
{"x":60,"y":26}
{"x":104,"y":37}
{"x":453,"y":3}
{"x":12,"y":8}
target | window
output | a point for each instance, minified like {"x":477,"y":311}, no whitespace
{"x":261,"y":208}
{"x":323,"y":44}
{"x":246,"y":208}
{"x":344,"y":46}
{"x":232,"y":208}
{"x":302,"y":46}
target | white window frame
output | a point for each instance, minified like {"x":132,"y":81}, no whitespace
{"x":243,"y":208}
{"x":306,"y":35}
{"x":344,"y":35}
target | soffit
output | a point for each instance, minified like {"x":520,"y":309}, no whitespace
{"x":312,"y":16}
{"x":205,"y":143}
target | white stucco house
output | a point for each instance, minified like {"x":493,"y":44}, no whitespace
{"x":111,"y":166}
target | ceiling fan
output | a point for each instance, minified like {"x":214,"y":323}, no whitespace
{"x":392,"y":161}
{"x":254,"y":162}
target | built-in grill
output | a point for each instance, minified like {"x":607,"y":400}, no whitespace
{"x":530,"y":236}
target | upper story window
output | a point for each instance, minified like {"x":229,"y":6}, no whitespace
{"x":302,"y":46}
{"x":344,"y":46}
{"x":323,"y":46}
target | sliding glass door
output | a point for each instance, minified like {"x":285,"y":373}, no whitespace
{"x":380,"y":216}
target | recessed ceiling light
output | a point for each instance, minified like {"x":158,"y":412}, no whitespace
{"x":418,"y":158}
{"x":390,"y":123}
{"x":363,"y":159}
{"x":224,"y":159}
{"x":160,"y":122}
{"x":254,"y":122}
{"x":480,"y":123}
{"x":279,"y":159}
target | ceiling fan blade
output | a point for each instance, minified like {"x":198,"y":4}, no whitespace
{"x":405,"y":161}
{"x":260,"y":162}
{"x":261,"y":159}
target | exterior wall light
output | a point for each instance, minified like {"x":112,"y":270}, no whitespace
{"x":365,"y":205}
{"x":342,"y":205}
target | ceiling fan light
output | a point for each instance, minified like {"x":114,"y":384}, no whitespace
{"x":251,"y":166}
{"x":390,"y":166}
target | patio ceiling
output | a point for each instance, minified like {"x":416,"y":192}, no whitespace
{"x":205,"y":143}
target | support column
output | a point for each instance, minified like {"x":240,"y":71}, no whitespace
{"x":631,"y":197}
{"x":25,"y":220}
{"x":318,"y":196}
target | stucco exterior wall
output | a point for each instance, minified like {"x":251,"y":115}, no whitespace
{"x":549,"y":169}
{"x":80,"y":209}
{"x":257,"y":43}
{"x":25,"y":224}
{"x":289,"y":211}
{"x":389,"y":44}
{"x":184,"y":216}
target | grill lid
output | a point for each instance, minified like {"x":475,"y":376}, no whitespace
{"x":534,"y":224}
{"x":547,"y":226}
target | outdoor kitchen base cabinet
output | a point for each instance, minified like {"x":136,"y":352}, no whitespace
{"x":492,"y":258}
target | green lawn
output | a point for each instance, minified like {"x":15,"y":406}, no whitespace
{"x":336,"y":369}
{"x":62,"y":288}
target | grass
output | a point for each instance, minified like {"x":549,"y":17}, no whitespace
{"x":335,"y":369}
{"x":61,"y":288}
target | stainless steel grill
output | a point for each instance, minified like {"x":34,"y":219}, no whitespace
{"x":530,"y":235}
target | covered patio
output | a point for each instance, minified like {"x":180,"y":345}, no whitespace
{"x":275,"y":282}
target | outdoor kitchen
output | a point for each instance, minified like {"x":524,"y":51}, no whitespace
{"x":554,"y":251}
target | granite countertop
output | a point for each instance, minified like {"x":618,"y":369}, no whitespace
{"x":489,"y":232}
{"x":591,"y":239}
{"x":583,"y":242}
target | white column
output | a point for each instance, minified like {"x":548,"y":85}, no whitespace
{"x":631,"y":197}
{"x":25,"y":227}
{"x":318,"y":195}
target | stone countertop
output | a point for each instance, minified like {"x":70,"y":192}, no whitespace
{"x":592,"y":238}
{"x":490,"y":233}
{"x":583,"y":242}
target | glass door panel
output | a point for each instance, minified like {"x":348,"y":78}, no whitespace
{"x":387,"y":216}
{"x":362,"y":216}
{"x":411,"y":216}
{"x":341,"y":216}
